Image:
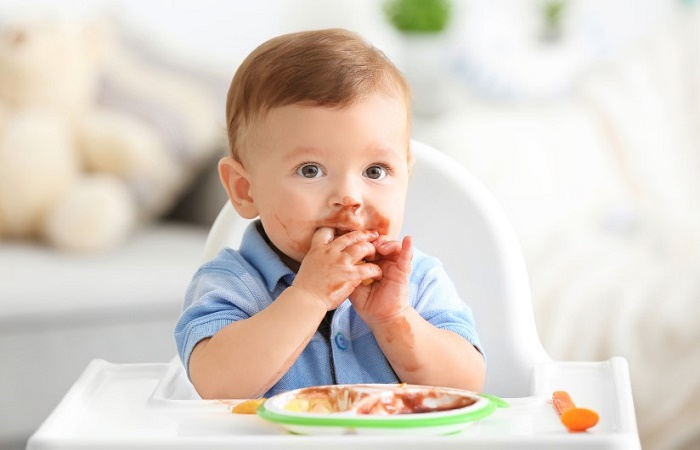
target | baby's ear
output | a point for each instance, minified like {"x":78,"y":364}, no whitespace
{"x":236,"y":181}
{"x":411,"y":161}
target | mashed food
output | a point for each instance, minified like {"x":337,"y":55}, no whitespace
{"x":377,"y":399}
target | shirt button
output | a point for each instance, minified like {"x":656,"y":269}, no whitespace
{"x":340,"y":341}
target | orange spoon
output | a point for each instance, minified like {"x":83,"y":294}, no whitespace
{"x":573,"y":418}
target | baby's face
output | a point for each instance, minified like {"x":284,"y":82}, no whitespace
{"x":341,"y":168}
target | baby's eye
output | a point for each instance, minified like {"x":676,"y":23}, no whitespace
{"x":376,"y":172}
{"x":310,"y":171}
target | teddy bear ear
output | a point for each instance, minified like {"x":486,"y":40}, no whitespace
{"x":236,"y":181}
{"x":97,"y":37}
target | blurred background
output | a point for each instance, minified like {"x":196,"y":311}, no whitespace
{"x":582,"y":117}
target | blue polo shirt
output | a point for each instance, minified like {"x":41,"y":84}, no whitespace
{"x":238,"y":284}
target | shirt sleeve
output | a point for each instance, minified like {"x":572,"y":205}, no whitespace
{"x":218,"y":295}
{"x":436,"y":299}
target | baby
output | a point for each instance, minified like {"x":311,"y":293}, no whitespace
{"x":322,"y":291}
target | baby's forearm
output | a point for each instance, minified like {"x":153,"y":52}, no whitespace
{"x":246,"y":358}
{"x":422,"y":354}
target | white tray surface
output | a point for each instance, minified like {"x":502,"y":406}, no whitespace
{"x":114,"y":406}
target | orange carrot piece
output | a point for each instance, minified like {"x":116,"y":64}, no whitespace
{"x":248,"y":406}
{"x":579,"y":419}
{"x":573,"y":418}
{"x":562,"y":401}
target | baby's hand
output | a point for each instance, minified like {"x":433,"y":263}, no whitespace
{"x":387,"y":297}
{"x":334,"y":267}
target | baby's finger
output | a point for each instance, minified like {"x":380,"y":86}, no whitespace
{"x":361,"y":251}
{"x":354,"y":237}
{"x":388,"y":247}
{"x":369,"y":272}
{"x":406,"y":254}
{"x":322,"y":236}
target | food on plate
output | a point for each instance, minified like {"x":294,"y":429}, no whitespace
{"x":373,"y":408}
{"x":377,"y":399}
{"x":248,"y":406}
{"x":574,"y":419}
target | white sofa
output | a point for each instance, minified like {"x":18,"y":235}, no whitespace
{"x":58,"y":311}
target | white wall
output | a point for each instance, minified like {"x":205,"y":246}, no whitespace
{"x":216,"y":33}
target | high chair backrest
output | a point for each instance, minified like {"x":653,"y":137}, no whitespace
{"x":452,"y":216}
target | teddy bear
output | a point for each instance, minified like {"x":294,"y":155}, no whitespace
{"x":96,"y":137}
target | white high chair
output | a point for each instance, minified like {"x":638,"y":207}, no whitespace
{"x":451,"y":216}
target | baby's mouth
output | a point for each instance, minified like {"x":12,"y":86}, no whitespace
{"x":344,"y":225}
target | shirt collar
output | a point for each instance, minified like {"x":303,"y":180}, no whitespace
{"x":255,"y":249}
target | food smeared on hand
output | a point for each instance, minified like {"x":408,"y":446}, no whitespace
{"x":248,"y":406}
{"x":574,"y":419}
{"x":366,"y":281}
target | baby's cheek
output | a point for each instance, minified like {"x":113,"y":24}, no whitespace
{"x":298,"y":244}
{"x":301,"y":241}
{"x":378,"y":222}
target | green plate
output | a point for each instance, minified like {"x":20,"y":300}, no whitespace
{"x":345,"y":417}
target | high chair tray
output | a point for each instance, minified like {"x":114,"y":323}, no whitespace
{"x":153,"y":406}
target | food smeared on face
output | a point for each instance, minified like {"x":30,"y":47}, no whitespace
{"x":343,"y":222}
{"x":374,"y":400}
{"x":348,"y":219}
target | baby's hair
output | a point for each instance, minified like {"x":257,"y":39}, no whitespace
{"x":331,"y":68}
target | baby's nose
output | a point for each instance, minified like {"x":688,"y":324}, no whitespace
{"x":350,"y":202}
{"x":346,"y":193}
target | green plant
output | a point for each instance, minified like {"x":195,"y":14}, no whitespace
{"x":553,"y":12}
{"x":421,"y":16}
